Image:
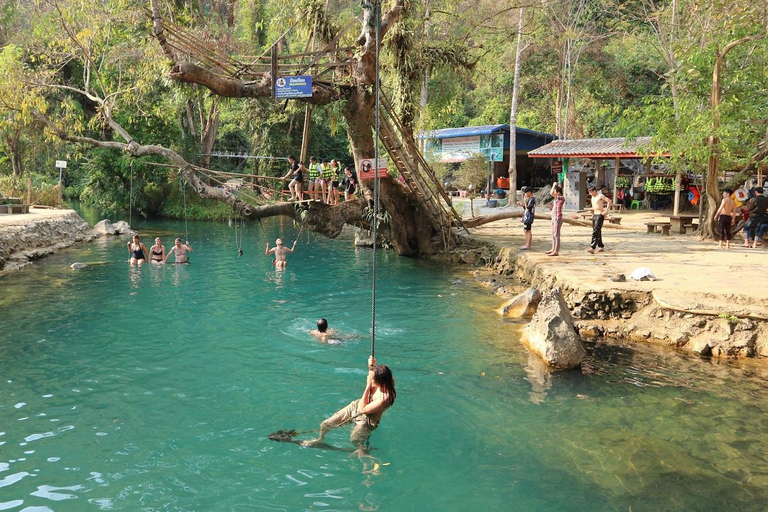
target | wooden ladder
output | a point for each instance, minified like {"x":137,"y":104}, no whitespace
{"x":418,"y":175}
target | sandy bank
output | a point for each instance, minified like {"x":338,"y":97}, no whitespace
{"x":30,"y":236}
{"x":697,"y":283}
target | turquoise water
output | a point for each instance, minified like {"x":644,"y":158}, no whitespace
{"x":156,"y":388}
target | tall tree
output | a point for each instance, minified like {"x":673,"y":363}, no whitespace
{"x":519,"y":49}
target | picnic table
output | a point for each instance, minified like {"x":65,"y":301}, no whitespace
{"x":680,"y":222}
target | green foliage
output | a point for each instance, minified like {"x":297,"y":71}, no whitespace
{"x":463,"y":53}
{"x":472,"y":173}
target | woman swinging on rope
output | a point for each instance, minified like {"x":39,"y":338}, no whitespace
{"x":365,"y":412}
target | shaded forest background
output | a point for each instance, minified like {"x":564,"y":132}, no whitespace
{"x":691,"y":74}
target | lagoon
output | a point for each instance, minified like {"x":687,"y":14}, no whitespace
{"x":156,"y":389}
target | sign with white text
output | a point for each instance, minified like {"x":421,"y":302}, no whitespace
{"x":293,"y":87}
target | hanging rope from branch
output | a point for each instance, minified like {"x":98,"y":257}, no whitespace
{"x":184,"y":195}
{"x":377,"y":91}
{"x":239,"y":241}
{"x":130,"y":201}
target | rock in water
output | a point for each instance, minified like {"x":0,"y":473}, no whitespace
{"x":77,"y":266}
{"x":104,"y":227}
{"x":522,"y":306}
{"x":551,"y":333}
{"x":121,"y":228}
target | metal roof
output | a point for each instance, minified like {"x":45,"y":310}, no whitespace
{"x":593,"y":148}
{"x":468,"y":131}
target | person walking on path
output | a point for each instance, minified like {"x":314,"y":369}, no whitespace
{"x":600,"y":205}
{"x":557,"y":217}
{"x":726,"y":216}
{"x":529,"y":209}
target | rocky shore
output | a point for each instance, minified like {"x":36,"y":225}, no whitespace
{"x":25,"y":238}
{"x":723,"y":328}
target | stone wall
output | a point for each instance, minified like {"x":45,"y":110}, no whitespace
{"x":22,"y":243}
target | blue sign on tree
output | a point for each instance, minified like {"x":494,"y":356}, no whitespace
{"x":293,"y":87}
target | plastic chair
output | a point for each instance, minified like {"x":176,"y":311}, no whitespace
{"x":636,"y":205}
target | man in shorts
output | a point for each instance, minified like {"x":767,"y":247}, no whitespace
{"x":179,"y":252}
{"x":280,"y":251}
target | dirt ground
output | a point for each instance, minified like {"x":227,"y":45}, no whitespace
{"x":20,"y":219}
{"x":692,"y":274}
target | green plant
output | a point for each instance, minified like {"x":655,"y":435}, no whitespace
{"x":731,"y":319}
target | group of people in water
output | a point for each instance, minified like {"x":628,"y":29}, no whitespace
{"x":156,"y":254}
{"x":324,"y":181}
{"x":365,"y":412}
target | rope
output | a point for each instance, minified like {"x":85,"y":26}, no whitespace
{"x":184,"y":194}
{"x":377,"y":88}
{"x":130,"y":201}
{"x":239,"y":243}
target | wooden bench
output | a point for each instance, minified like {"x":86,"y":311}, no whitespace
{"x":18,"y":208}
{"x":665,"y":226}
{"x":684,"y":228}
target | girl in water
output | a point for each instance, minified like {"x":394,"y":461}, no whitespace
{"x":157,"y":252}
{"x":138,"y":251}
{"x":365,"y":412}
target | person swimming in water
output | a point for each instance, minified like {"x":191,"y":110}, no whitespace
{"x":179,"y":250}
{"x":138,"y":252}
{"x":322,"y":332}
{"x":280,"y":251}
{"x":365,"y":412}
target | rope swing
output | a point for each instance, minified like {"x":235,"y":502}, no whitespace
{"x":184,"y":195}
{"x":289,"y":435}
{"x":377,"y":90}
{"x":130,"y":201}
{"x":239,"y":241}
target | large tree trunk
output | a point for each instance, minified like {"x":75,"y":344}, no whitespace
{"x":513,"y":108}
{"x":709,"y":226}
{"x":409,"y":229}
{"x":14,"y":150}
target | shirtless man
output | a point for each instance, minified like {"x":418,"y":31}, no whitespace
{"x":179,"y":251}
{"x":600,"y":205}
{"x":725,"y":216}
{"x":280,"y":251}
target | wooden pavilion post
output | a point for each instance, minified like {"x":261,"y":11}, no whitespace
{"x":617,"y":165}
{"x":599,"y":174}
{"x":678,"y":178}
